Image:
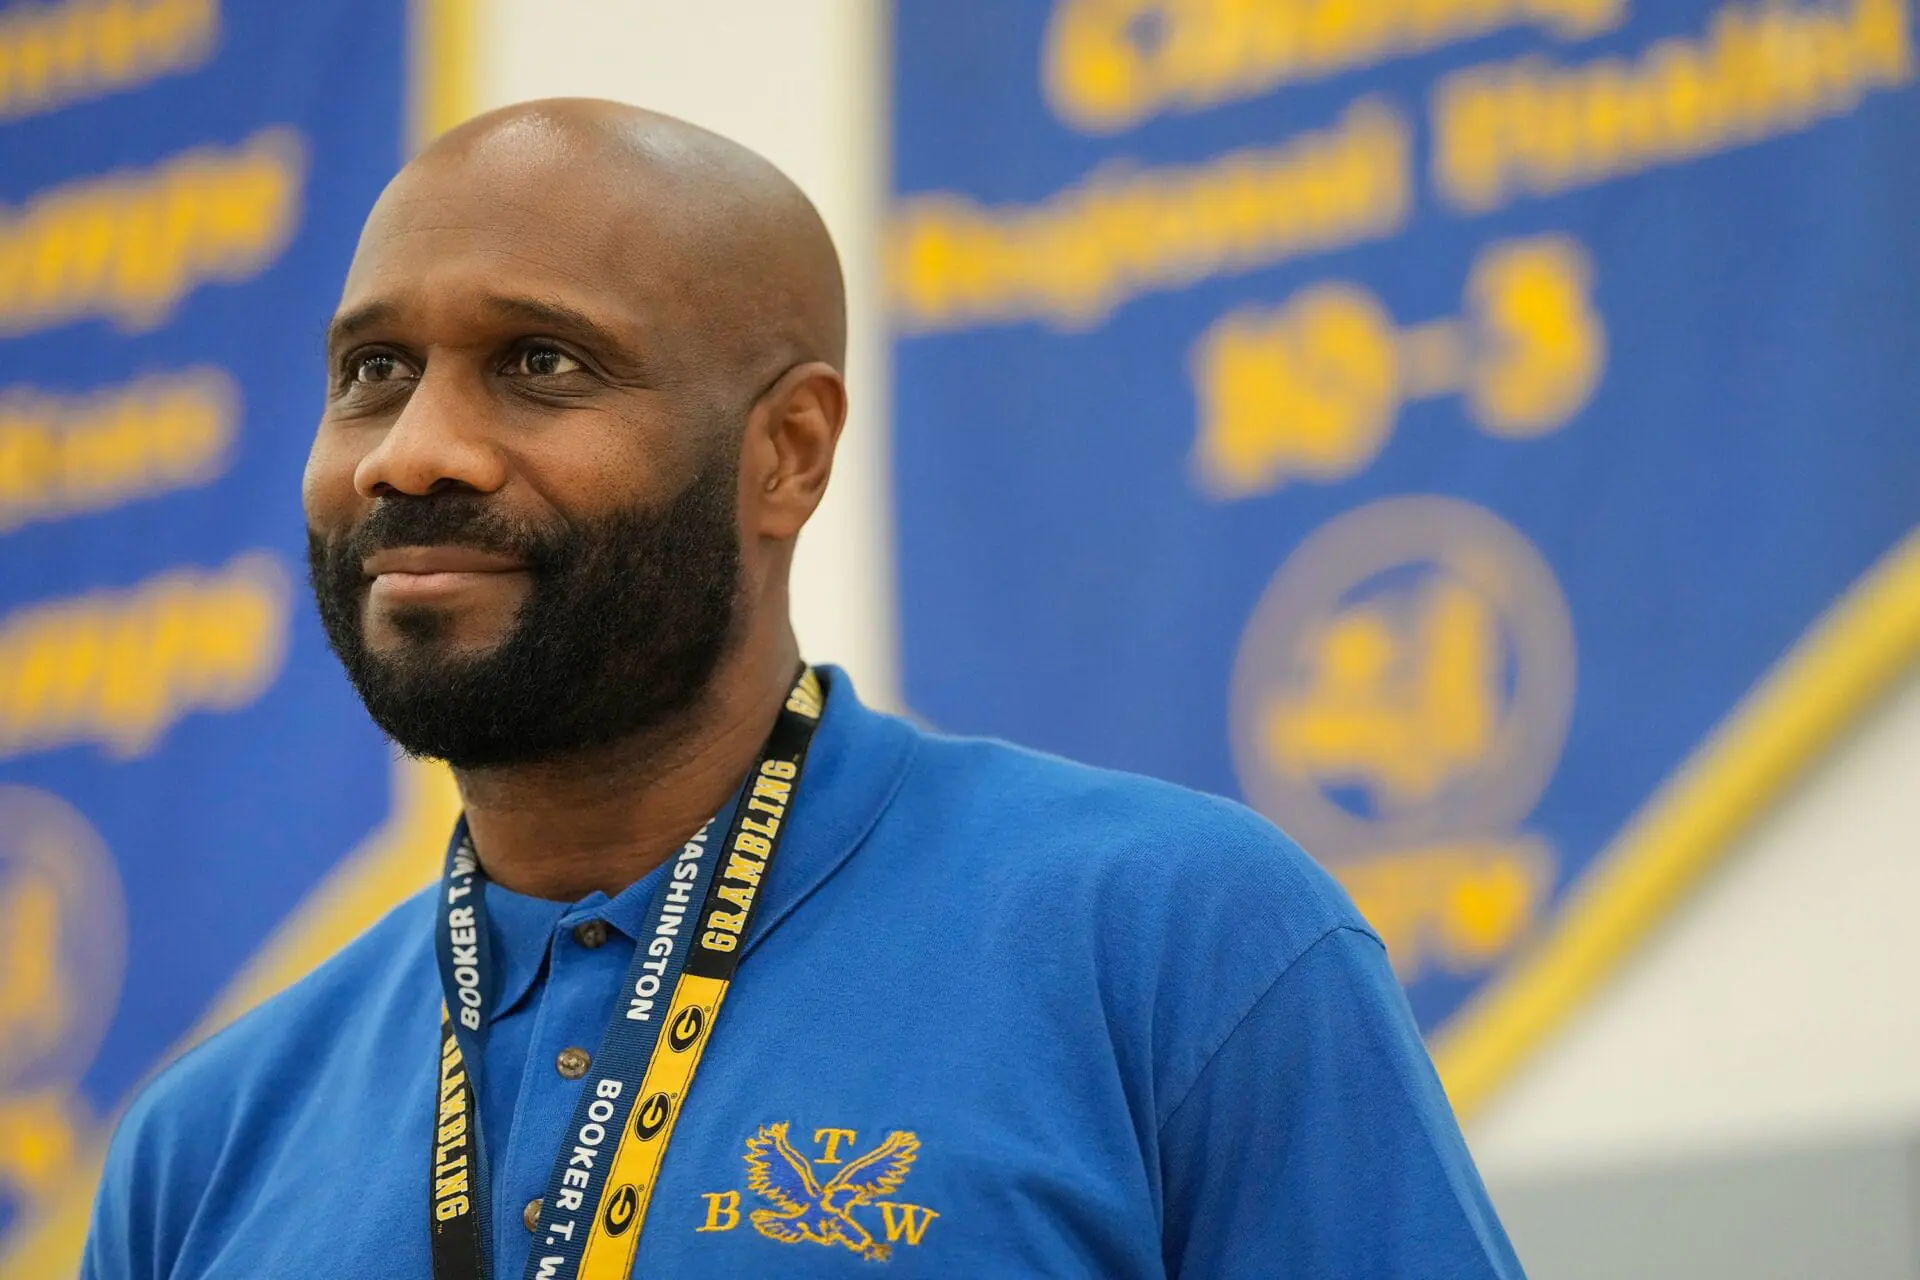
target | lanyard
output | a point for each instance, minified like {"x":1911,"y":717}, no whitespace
{"x":652,"y":1046}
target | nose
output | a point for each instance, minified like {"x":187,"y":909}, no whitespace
{"x":440,"y":440}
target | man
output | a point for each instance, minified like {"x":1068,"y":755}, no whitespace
{"x":912,"y":1004}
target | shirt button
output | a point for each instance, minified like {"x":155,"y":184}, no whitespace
{"x":573,"y":1062}
{"x":531,"y":1214}
{"x":591,"y":934}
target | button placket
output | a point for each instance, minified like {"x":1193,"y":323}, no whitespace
{"x":563,"y":1016}
{"x":568,"y":1012}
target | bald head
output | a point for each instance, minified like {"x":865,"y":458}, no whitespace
{"x":721,"y":247}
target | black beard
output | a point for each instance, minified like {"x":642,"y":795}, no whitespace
{"x":628,"y":618}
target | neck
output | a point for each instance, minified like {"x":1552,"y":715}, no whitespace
{"x":603,"y":819}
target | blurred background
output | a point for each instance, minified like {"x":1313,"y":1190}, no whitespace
{"x":1478,"y":434}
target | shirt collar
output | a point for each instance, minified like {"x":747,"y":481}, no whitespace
{"x":855,"y":764}
{"x":521,"y":927}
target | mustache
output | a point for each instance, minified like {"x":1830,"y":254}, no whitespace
{"x":447,"y":519}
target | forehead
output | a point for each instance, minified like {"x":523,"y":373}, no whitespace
{"x":552,"y":226}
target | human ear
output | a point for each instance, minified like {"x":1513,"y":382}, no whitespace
{"x":788,"y":451}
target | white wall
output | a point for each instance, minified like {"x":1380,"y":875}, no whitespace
{"x":1782,"y":1001}
{"x":1780,"y":1004}
{"x":794,"y":80}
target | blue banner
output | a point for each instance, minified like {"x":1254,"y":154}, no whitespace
{"x":181,"y":760}
{"x":1479,"y":434}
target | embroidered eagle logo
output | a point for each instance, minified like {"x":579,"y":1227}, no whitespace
{"x":805,"y":1210}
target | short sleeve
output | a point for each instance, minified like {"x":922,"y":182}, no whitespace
{"x":1317,"y":1142}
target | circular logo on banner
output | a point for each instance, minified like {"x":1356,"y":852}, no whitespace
{"x":62,"y":940}
{"x":1408,"y":676}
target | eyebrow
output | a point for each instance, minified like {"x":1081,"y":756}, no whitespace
{"x":543,"y":311}
{"x":559,"y":317}
{"x":350,"y":323}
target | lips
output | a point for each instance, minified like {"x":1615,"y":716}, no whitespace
{"x":434,"y":560}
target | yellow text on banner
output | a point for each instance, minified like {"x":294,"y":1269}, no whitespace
{"x":117,"y":668}
{"x":1075,"y":256}
{"x":69,"y":455}
{"x":54,"y":55}
{"x":1101,"y":76}
{"x":1529,"y":128}
{"x":129,"y":246}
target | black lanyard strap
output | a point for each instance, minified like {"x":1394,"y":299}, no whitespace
{"x":462,"y":1219}
{"x":649,"y":1053}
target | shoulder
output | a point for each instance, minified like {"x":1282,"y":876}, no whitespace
{"x":356,"y":982}
{"x":203,"y":1111}
{"x":1177,"y":911}
{"x":1105,"y":833}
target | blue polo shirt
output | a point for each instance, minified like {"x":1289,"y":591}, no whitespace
{"x":1132,"y":1030}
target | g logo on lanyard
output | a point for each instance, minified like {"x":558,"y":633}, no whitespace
{"x":686,"y":1028}
{"x":620,"y":1207}
{"x":651,"y":1116}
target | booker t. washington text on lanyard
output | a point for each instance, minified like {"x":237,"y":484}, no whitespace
{"x":609,"y":1159}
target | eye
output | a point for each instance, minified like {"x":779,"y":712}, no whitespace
{"x":543,"y":362}
{"x":374,"y":367}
